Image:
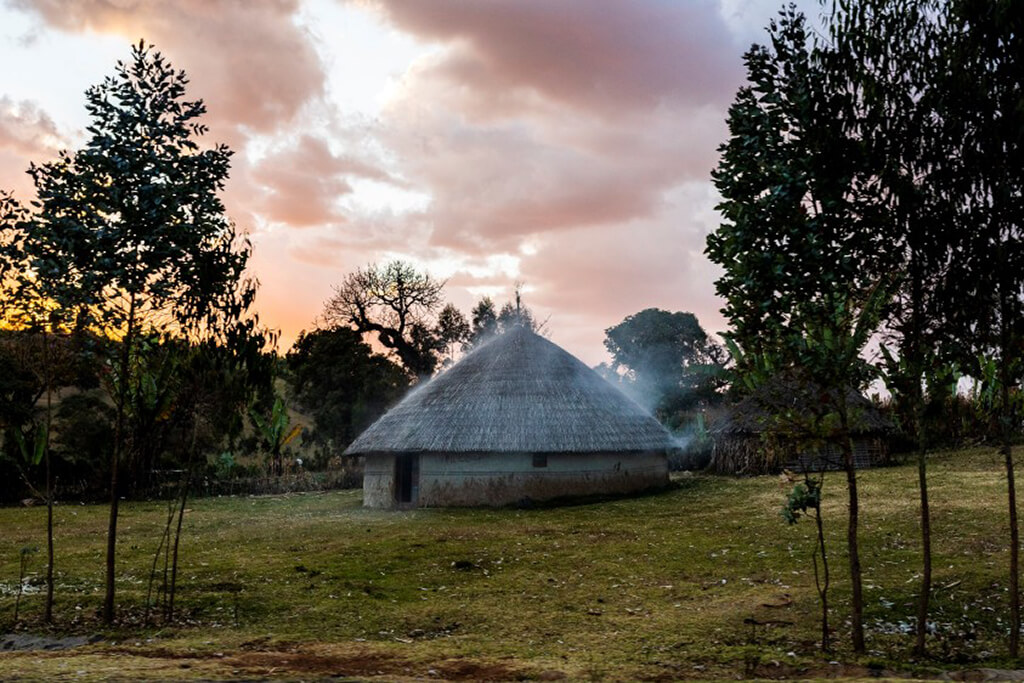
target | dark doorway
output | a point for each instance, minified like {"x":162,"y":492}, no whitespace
{"x":407,"y":478}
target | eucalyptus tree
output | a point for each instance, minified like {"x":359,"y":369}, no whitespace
{"x":130,"y":236}
{"x":896,"y":88}
{"x":798,"y":243}
{"x":983,"y":109}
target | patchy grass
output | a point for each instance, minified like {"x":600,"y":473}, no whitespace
{"x":662,"y":586}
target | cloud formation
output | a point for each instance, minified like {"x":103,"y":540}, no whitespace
{"x":248,"y":60}
{"x":304,"y":181}
{"x":571,"y":126}
{"x":26,"y":133}
{"x":567,"y":144}
{"x":603,"y":56}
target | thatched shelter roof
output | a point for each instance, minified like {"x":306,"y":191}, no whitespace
{"x":750,"y":416}
{"x":518,"y":392}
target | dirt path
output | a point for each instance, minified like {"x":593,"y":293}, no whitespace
{"x":252,"y":661}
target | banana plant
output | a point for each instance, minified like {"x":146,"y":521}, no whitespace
{"x":31,"y":453}
{"x":275,"y":432}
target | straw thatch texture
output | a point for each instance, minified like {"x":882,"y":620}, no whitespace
{"x":518,"y":393}
{"x":751,"y":415}
{"x":744,"y":444}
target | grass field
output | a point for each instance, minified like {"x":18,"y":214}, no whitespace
{"x":657,"y":587}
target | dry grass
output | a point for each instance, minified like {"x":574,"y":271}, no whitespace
{"x":652,"y":587}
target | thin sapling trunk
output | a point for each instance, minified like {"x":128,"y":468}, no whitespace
{"x":924,"y":598}
{"x":856,"y":590}
{"x":47,"y":360}
{"x":926,"y":551}
{"x":122,"y":390}
{"x":821,"y":581}
{"x":1007,"y":448}
{"x":164,"y":539}
{"x":181,"y":514}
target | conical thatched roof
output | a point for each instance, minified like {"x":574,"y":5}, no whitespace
{"x":517,"y":393}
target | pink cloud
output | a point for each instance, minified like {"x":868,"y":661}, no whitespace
{"x":573,"y":126}
{"x":600,"y":55}
{"x":304,"y":181}
{"x":27,"y":134}
{"x":492,"y":182}
{"x":250,"y":63}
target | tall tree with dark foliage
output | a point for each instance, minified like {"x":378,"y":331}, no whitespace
{"x":342,"y":383}
{"x":983,"y":109}
{"x":130,"y":236}
{"x":668,"y":358}
{"x":797,"y":241}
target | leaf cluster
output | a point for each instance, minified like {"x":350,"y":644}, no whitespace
{"x":805,"y":496}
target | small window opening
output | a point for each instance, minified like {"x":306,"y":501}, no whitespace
{"x":540,"y":459}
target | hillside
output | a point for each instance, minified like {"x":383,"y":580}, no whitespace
{"x":662,"y":586}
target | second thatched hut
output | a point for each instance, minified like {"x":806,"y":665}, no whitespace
{"x":749,"y":440}
{"x":516,"y":419}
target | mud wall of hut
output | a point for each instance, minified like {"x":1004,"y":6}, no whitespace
{"x":378,"y":481}
{"x":504,"y":479}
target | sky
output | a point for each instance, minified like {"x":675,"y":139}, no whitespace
{"x":563,"y":144}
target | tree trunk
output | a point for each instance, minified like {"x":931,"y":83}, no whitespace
{"x":926,"y":529}
{"x":822,"y":582}
{"x":164,"y":538}
{"x":181,"y":514}
{"x":1007,"y":448}
{"x":857,"y":596}
{"x":47,"y":364}
{"x":126,"y":342}
{"x":926,"y":553}
{"x":915,"y":354}
{"x":1006,"y":437}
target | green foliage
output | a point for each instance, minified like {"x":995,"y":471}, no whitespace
{"x":807,"y":273}
{"x":488,"y":320}
{"x":485,"y":321}
{"x":671,"y":364}
{"x":344,"y":385}
{"x":805,"y":496}
{"x":83,"y":427}
{"x":795,"y":224}
{"x":452,"y":331}
{"x":225,"y":465}
{"x":131,"y":224}
{"x":32,"y":451}
{"x":129,"y":237}
{"x":20,"y":388}
{"x":274,"y":427}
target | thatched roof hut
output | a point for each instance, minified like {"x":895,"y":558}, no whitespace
{"x":748,"y":440}
{"x":517,"y":418}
